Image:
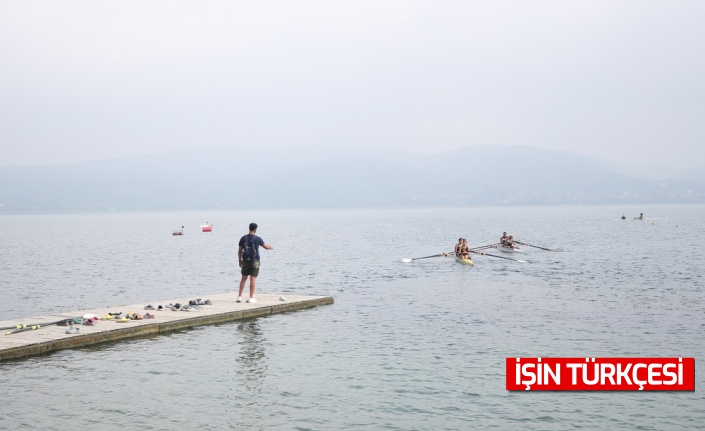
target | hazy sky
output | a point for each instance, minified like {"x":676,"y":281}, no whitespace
{"x":623,"y":80}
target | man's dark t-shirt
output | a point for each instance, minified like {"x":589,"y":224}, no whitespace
{"x":250,"y":247}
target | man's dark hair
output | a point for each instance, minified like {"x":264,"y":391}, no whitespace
{"x":253,"y":226}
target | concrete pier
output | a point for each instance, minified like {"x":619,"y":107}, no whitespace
{"x":224,"y":309}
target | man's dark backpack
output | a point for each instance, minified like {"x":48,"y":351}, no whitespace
{"x":249,"y":252}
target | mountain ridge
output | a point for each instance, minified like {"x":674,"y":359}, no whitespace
{"x":303,"y":177}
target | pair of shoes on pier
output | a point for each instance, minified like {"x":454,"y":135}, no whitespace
{"x":185,"y":307}
{"x":149,"y":307}
{"x":130,"y":316}
{"x":148,"y":316}
{"x":72,"y":329}
{"x":199,"y":301}
{"x":90,"y":316}
{"x":250,"y":300}
{"x":70,"y":321}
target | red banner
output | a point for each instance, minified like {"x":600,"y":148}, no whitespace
{"x":600,"y":374}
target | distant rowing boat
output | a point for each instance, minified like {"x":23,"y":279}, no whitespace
{"x":506,"y":249}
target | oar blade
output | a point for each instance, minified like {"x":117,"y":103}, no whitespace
{"x":534,"y":246}
{"x":483,"y":247}
{"x":406,"y":260}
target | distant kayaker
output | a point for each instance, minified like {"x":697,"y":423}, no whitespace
{"x":624,"y":217}
{"x":248,"y":257}
{"x":641,"y":216}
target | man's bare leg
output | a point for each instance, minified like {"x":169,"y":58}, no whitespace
{"x":253,"y":282}
{"x":242,"y":285}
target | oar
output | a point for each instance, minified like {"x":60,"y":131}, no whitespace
{"x":534,"y":246}
{"x":407,"y":260}
{"x":494,"y":255}
{"x":28,"y":328}
{"x":22,"y":327}
{"x":18,"y":326}
{"x":483,"y":247}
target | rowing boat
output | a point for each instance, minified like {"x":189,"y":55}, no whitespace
{"x":464,"y":261}
{"x":506,"y":249}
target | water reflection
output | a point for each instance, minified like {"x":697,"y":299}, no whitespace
{"x":249,"y":387}
{"x":252,"y":361}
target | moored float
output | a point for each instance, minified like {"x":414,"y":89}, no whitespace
{"x":207,"y":227}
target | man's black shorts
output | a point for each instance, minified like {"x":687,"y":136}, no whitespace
{"x":250,"y":268}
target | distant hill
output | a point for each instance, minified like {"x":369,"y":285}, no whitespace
{"x":314,"y":177}
{"x":661,"y":172}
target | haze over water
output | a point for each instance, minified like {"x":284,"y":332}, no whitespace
{"x":405,"y":346}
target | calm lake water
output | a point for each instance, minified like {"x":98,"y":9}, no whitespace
{"x":416,"y":345}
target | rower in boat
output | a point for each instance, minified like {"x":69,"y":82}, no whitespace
{"x":508,"y":245}
{"x":641,"y":216}
{"x":457,"y":246}
{"x":463,"y":254}
{"x":504,"y":238}
{"x":464,"y":249}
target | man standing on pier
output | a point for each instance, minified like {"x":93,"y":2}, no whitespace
{"x":248,"y":256}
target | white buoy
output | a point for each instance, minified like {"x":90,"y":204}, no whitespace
{"x":281,"y":298}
